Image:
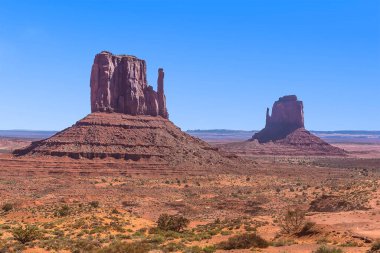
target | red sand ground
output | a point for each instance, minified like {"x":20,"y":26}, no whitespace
{"x":255,"y":194}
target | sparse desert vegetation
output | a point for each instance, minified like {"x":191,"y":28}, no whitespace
{"x":279,"y":209}
{"x":135,"y":102}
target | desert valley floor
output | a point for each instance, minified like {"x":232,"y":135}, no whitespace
{"x":81,"y":205}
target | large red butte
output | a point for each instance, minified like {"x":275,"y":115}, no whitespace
{"x":119,"y":84}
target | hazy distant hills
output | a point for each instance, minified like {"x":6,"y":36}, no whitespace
{"x":27,"y":134}
{"x":225,"y":135}
{"x":217,"y":135}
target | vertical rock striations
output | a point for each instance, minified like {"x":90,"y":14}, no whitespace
{"x":119,"y":84}
{"x":123,"y":124}
{"x":161,"y":95}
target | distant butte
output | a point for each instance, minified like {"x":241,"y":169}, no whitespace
{"x":284,"y":134}
{"x":287,"y":116}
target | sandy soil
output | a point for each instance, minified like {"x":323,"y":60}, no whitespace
{"x":365,"y":150}
{"x":112,"y":200}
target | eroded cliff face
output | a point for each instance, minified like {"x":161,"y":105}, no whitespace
{"x":119,"y":84}
{"x":287,"y":116}
{"x":288,"y":110}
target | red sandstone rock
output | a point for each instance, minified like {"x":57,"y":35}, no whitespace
{"x":285,"y":134}
{"x":161,"y":96}
{"x":123,"y":125}
{"x":287,"y":111}
{"x":143,"y":139}
{"x":118,"y":84}
{"x":287,"y":116}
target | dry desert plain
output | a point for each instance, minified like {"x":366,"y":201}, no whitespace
{"x":273,"y":204}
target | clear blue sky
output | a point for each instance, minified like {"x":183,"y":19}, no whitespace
{"x":224,"y":61}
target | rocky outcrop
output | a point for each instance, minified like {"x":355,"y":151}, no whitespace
{"x":135,"y":139}
{"x":284,"y":134}
{"x":287,"y":116}
{"x":161,"y":99}
{"x":124,"y":125}
{"x":119,"y":84}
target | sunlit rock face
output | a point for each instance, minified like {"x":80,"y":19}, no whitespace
{"x":119,"y":84}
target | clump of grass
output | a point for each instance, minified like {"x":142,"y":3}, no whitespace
{"x":86,"y":245}
{"x":116,"y":247}
{"x":244,"y":241}
{"x":197,"y":249}
{"x":280,"y":243}
{"x":349,"y":244}
{"x":174,"y":247}
{"x":326,"y":249}
{"x":323,"y":240}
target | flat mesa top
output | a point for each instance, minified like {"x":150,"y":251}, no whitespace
{"x":119,"y":55}
{"x":288,"y":98}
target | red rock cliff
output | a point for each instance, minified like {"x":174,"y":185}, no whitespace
{"x":118,"y":84}
{"x":287,"y":116}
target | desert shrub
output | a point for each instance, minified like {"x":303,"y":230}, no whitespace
{"x":63,"y":211}
{"x":349,"y":244}
{"x":175,"y":223}
{"x":119,"y":247}
{"x":155,"y":239}
{"x":94,"y":204}
{"x":292,"y":221}
{"x":55,"y":244}
{"x":193,"y":249}
{"x":224,"y":232}
{"x":85,"y":245}
{"x":243,"y":241}
{"x":129,"y":204}
{"x":27,"y":234}
{"x":326,"y":249}
{"x":209,"y":249}
{"x":3,"y":246}
{"x":280,"y":243}
{"x":174,"y":247}
{"x":7,"y":207}
{"x":323,"y":240}
{"x":197,"y":249}
{"x":168,"y":235}
{"x":375,"y":247}
{"x":306,"y":229}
